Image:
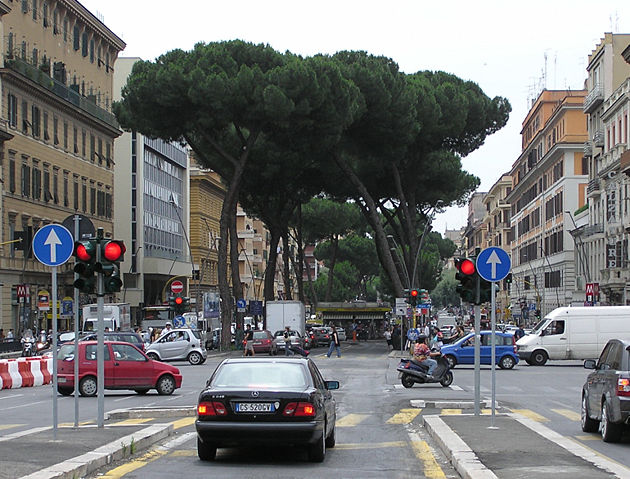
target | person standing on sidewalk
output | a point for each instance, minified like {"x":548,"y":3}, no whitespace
{"x":334,"y":343}
{"x":249,"y":341}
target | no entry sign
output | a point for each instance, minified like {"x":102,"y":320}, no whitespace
{"x":177,"y":287}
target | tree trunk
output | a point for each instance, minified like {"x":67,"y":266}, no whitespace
{"x":372,"y":216}
{"x":300,"y":256}
{"x":334,"y":243}
{"x":286,"y":271}
{"x":270,"y":271}
{"x":237,"y":287}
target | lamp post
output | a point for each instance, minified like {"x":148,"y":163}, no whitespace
{"x":192,"y":259}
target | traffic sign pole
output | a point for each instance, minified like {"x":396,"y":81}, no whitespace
{"x":494,"y":353}
{"x":54,"y":346}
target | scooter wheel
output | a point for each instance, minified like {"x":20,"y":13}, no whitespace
{"x":447,"y":380}
{"x":407,"y":381}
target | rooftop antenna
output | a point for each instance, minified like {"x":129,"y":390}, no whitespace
{"x":614,"y":22}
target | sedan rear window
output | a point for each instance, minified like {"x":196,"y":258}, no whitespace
{"x":260,"y":335}
{"x":260,"y":375}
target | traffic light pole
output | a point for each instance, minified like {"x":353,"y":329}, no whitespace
{"x":100,"y":335}
{"x":477,"y":347}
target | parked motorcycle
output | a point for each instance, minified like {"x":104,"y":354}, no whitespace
{"x":411,"y":371}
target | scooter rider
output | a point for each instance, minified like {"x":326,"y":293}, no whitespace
{"x":423,"y":355}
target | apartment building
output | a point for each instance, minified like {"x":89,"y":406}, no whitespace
{"x":474,"y":234}
{"x":549,"y":184}
{"x":58,"y":131}
{"x":607,"y":106}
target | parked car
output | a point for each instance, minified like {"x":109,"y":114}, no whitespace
{"x":341,"y":334}
{"x":606,"y":392}
{"x":463,"y":350}
{"x":277,"y":402}
{"x":126,"y":336}
{"x":322,"y":333}
{"x":312,"y":338}
{"x":126,"y":367}
{"x":296,"y":339}
{"x":263,"y":342}
{"x":179,"y":344}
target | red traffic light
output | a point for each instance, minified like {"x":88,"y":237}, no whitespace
{"x":467,"y":267}
{"x":179,"y":300}
{"x":114,"y":250}
{"x":414,"y":293}
{"x":82,"y":253}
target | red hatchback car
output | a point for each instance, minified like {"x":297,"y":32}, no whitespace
{"x":263,"y":342}
{"x":126,"y":367}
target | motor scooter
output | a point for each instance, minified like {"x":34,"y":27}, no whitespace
{"x":411,"y":371}
{"x":27,"y":346}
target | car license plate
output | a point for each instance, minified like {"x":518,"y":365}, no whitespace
{"x":61,"y":380}
{"x":254,"y":407}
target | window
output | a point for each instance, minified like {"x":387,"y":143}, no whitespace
{"x":76,"y":140}
{"x":66,"y":188}
{"x":26,"y":180}
{"x":84,"y":44}
{"x":12,"y":110}
{"x":75,"y":37}
{"x":35,"y":114}
{"x":55,"y":130}
{"x":552,"y":279}
{"x":76,"y":193}
{"x":90,"y":352}
{"x":55,"y":186}
{"x":47,"y":195}
{"x":84,"y":195}
{"x":126,"y":352}
{"x":92,"y":146}
{"x":83,"y":143}
{"x":37,"y":182}
{"x":11,"y":173}
{"x":55,"y":22}
{"x":92,"y":198}
{"x":46,"y":135}
{"x":92,"y":51}
{"x":555,"y":327}
{"x":65,"y":29}
{"x":35,"y":56}
{"x":45,"y":15}
{"x":24,"y":117}
{"x":34,"y":9}
{"x":65,"y":135}
{"x":10,"y":45}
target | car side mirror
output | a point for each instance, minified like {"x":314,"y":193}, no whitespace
{"x":589,"y":364}
{"x":332,"y":385}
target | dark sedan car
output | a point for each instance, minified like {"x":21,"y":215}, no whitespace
{"x":266,"y":401}
{"x":606,"y":393}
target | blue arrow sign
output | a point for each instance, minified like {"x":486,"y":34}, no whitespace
{"x":493,"y":264}
{"x":53,"y":245}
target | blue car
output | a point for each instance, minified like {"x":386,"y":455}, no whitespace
{"x":463,"y":351}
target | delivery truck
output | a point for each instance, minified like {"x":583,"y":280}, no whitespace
{"x":574,"y":333}
{"x":116,"y":316}
{"x":280,"y":314}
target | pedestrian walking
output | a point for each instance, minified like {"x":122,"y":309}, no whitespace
{"x":10,"y":334}
{"x":388,"y":337}
{"x":334,"y":343}
{"x":248,"y":341}
{"x":287,"y":342}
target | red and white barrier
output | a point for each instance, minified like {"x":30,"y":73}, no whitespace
{"x":25,"y":372}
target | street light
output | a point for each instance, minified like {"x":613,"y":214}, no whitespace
{"x":192,"y":260}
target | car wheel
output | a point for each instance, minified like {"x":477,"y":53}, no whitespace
{"x":447,"y":380}
{"x":588,"y":424}
{"x":611,"y":432}
{"x":153,"y":356}
{"x":452,"y":362}
{"x":330,"y":440}
{"x":539,"y":358}
{"x":195,"y":358}
{"x":270,"y":351}
{"x":407,"y":381}
{"x":529,"y":361}
{"x":507,"y":362}
{"x":317,"y":451}
{"x":88,"y":386}
{"x":142,"y":391}
{"x":206,"y":452}
{"x":166,"y":385}
{"x":65,"y":391}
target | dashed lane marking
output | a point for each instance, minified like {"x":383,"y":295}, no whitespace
{"x":184,"y":453}
{"x":588,"y":438}
{"x":432,"y":469}
{"x":405,"y":416}
{"x":127,"y":422}
{"x":10,"y":426}
{"x":371,"y":445}
{"x":534,"y":416}
{"x":569,"y":414}
{"x":351,"y":420}
{"x":450,"y":412}
{"x":187,"y":421}
{"x":142,"y":461}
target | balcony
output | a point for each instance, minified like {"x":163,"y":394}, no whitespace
{"x":594,"y":187}
{"x":588,"y":149}
{"x":593,"y":229}
{"x":593,"y":99}
{"x":246,"y":234}
{"x":88,"y":105}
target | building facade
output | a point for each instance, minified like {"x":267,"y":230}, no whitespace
{"x":549,"y":183}
{"x":56,"y":93}
{"x":607,"y":106}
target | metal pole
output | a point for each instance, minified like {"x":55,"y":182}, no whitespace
{"x":493,"y":354}
{"x":54,"y":346}
{"x":77,"y":219}
{"x":100,"y":347}
{"x":477,"y":350}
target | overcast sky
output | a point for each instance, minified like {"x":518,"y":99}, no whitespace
{"x":511,"y":49}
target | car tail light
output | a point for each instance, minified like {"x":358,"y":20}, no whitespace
{"x":299,"y":409}
{"x":623,"y":387}
{"x":214,"y":408}
{"x":514,"y":345}
{"x":326,"y":336}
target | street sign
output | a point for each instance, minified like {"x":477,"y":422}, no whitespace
{"x":179,"y":322}
{"x":43,"y":300}
{"x":241,"y":305}
{"x":412,"y":334}
{"x":177,"y":287}
{"x":23,"y":291}
{"x":401,"y":306}
{"x":592,"y":292}
{"x":255,"y":307}
{"x":53,"y":245}
{"x":493,"y":264}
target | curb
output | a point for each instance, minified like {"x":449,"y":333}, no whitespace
{"x":150,"y":412}
{"x":462,"y":457}
{"x":87,"y":463}
{"x":452,"y":404}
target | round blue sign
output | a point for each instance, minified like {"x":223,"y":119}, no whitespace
{"x":53,"y":245}
{"x":493,"y":264}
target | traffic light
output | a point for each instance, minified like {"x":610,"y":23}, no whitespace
{"x":179,"y":304}
{"x":413,"y":297}
{"x":485,"y":290}
{"x":112,"y":253}
{"x":467,"y":277}
{"x":508,"y":278}
{"x":85,"y":265}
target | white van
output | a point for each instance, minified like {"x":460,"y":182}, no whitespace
{"x":574,"y":333}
